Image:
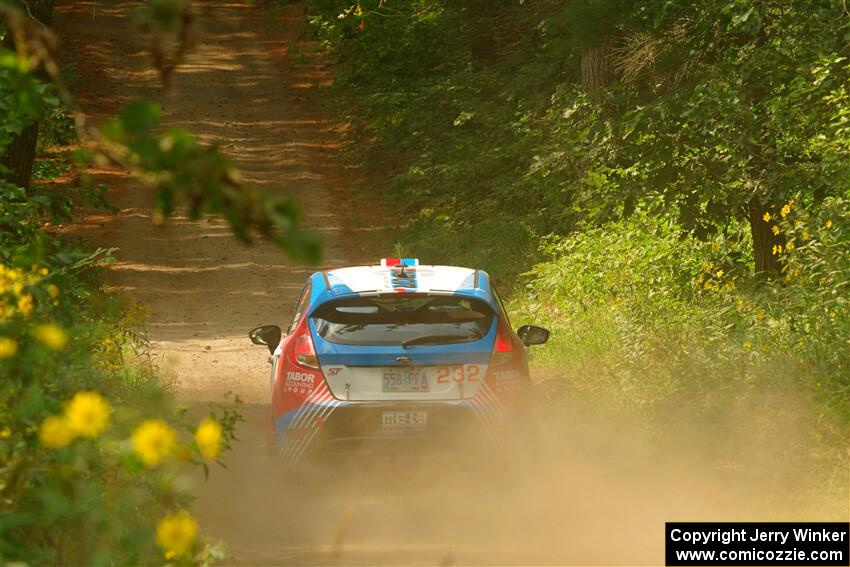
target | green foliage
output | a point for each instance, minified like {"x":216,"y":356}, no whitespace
{"x":94,"y":457}
{"x":57,"y":126}
{"x":22,"y":96}
{"x":675,"y":333}
{"x":633,"y":205}
{"x":67,"y":502}
{"x":715,"y":106}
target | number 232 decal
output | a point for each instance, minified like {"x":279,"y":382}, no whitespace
{"x":468,"y":373}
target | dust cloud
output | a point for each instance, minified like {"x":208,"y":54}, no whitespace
{"x":592,"y":488}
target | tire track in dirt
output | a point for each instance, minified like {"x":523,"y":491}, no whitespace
{"x":203,"y":289}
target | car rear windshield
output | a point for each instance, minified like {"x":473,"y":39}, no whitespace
{"x":403,"y":319}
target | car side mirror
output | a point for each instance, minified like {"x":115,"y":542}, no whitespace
{"x":267,"y":335}
{"x":532,"y":335}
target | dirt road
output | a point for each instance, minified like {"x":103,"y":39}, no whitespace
{"x":239,"y":90}
{"x":251,"y":85}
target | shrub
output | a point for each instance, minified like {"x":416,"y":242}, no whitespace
{"x":77,"y":484}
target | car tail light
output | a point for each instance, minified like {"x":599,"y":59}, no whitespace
{"x":303,"y":351}
{"x":503,"y":350}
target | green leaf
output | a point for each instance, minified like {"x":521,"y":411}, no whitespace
{"x":140,"y":117}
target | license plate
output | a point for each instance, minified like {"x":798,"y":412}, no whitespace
{"x":405,"y":380}
{"x":404,"y":421}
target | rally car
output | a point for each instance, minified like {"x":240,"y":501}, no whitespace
{"x":395,"y":352}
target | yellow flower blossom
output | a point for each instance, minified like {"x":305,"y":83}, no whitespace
{"x":719,"y":273}
{"x":87,"y":414}
{"x":789,"y":246}
{"x":786,"y":210}
{"x":777,"y":249}
{"x":7,"y":277}
{"x":176,"y":534}
{"x":775,"y":230}
{"x":5,"y":433}
{"x":154,"y":441}
{"x":55,"y":432}
{"x":767,"y":217}
{"x":25,"y":304}
{"x":8,"y":347}
{"x":806,"y":235}
{"x":829,"y":223}
{"x":208,"y":438}
{"x":53,"y":336}
{"x":748,"y":345}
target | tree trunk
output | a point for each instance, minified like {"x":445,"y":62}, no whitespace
{"x":766,"y":262}
{"x":481,"y":21}
{"x":19,"y":155}
{"x":596,"y":68}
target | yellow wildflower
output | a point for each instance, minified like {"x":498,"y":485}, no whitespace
{"x":786,"y":210}
{"x":767,"y":217}
{"x":8,"y":347}
{"x":208,"y":438}
{"x":775,"y":230}
{"x":7,"y":277}
{"x":44,"y":271}
{"x":87,"y":414}
{"x":5,"y":433}
{"x":806,"y":235}
{"x":55,"y":432}
{"x":789,"y":246}
{"x":829,"y":223}
{"x":176,"y":534}
{"x":154,"y":441}
{"x":53,"y":336}
{"x":25,"y":305}
{"x":748,"y":345}
{"x":719,"y":273}
{"x":777,"y":249}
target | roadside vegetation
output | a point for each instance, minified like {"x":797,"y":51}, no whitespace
{"x":96,"y":458}
{"x":664,"y":184}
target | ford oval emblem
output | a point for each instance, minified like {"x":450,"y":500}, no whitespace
{"x":404,"y":359}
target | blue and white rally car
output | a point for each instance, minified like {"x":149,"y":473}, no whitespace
{"x":395,"y":353}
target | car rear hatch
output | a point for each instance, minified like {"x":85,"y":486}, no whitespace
{"x":404,"y":346}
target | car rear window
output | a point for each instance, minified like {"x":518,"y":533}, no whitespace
{"x":400,"y":318}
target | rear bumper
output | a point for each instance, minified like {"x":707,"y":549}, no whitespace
{"x":367,"y":429}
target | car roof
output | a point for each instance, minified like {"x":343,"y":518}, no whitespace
{"x":383,"y":279}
